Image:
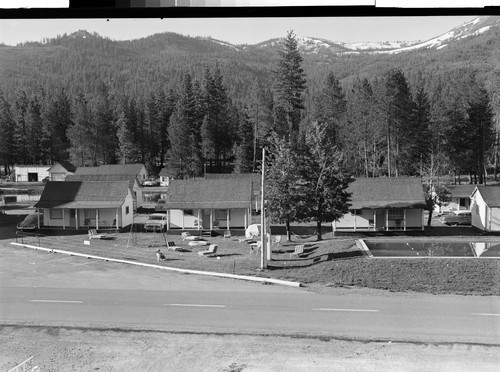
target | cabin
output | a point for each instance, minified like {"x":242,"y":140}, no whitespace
{"x":31,"y":173}
{"x":459,"y":199}
{"x":134,"y":174}
{"x":384,"y":204}
{"x":60,"y":170}
{"x":86,"y":204}
{"x":209,"y":204}
{"x":165,"y":177}
{"x":485,"y":208}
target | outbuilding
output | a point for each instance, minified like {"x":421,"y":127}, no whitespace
{"x":384,"y":204}
{"x":485,"y":208}
{"x":60,"y":170}
{"x":31,"y":173}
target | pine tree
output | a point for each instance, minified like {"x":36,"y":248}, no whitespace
{"x":244,"y":147}
{"x":289,"y":87}
{"x":34,"y":126}
{"x":82,"y":134}
{"x":7,"y":128}
{"x":58,"y":118}
{"x":330,"y":107}
{"x":21,"y":131}
{"x":107,"y":144}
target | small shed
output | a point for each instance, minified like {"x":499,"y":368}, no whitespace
{"x":485,"y":208}
{"x":459,"y":198}
{"x":383,"y":204}
{"x":213,"y":204}
{"x":60,"y":170}
{"x":31,"y":173}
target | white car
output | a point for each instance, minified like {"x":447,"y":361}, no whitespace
{"x":156,"y":222}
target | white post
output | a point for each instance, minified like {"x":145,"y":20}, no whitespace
{"x":211,"y":219}
{"x":199,"y":218}
{"x":97,"y":219}
{"x":38,"y":217}
{"x":117,"y":221}
{"x":76,"y":219}
{"x":168,"y":219}
{"x":404,"y":219}
{"x":374,"y":220}
{"x":263,"y":232}
{"x":387,"y":220}
{"x":227,"y":219}
{"x":64,"y":221}
{"x":246,"y":216}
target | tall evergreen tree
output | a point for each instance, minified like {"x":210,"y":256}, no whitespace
{"x":7,"y":128}
{"x":289,"y":86}
{"x":34,"y":125}
{"x":58,"y":118}
{"x":21,"y":130}
{"x":82,"y":134}
{"x":107,"y":144}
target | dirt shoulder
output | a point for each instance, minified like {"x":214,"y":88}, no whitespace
{"x":62,"y":349}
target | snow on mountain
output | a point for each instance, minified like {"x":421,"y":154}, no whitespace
{"x":378,"y":45}
{"x":472,"y":28}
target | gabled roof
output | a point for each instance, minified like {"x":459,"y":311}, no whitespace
{"x":215,"y":193}
{"x":490,"y":195}
{"x":130,"y":178}
{"x":255,"y":178}
{"x":76,"y":194}
{"x":66,"y":165}
{"x":380,"y":193}
{"x":111,"y":169}
{"x":461,"y":191}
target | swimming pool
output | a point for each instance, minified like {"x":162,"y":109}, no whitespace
{"x":431,"y":248}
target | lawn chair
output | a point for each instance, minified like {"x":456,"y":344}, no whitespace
{"x":255,"y":247}
{"x":186,"y":235}
{"x":210,"y":252}
{"x":227,"y":234}
{"x":276,"y":240}
{"x":171,"y":246}
{"x":94,"y":235}
{"x":299,"y":249}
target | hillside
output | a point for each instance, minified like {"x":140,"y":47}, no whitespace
{"x":79,"y":60}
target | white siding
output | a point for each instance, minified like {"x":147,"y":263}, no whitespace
{"x":478,"y":211}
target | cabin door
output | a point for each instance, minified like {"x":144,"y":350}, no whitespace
{"x":205,"y":219}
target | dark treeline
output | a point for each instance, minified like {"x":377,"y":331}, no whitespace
{"x":394,"y":123}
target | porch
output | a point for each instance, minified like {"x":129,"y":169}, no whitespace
{"x":381,"y":220}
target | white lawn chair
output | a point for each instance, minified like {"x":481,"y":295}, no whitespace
{"x":210,"y":252}
{"x":94,"y":235}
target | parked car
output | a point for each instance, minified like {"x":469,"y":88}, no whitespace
{"x":31,"y":222}
{"x":156,"y":222}
{"x":457,"y":218}
{"x":151,"y":181}
{"x":160,"y":205}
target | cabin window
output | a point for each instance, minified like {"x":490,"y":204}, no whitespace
{"x":355,"y":212}
{"x":396,"y":214}
{"x":221,"y":214}
{"x":90,"y":213}
{"x":188,"y":212}
{"x":127,"y":210}
{"x":56,"y":214}
{"x":463,"y":202}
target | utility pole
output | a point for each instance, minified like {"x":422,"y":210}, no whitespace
{"x":263,"y":230}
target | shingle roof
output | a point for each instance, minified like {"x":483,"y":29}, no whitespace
{"x":380,"y":193}
{"x":97,"y":194}
{"x":111,"y":169}
{"x":461,"y":191}
{"x":130,"y":178}
{"x":491,"y":195}
{"x":215,"y":193}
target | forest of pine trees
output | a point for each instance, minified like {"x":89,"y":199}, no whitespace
{"x":383,"y":126}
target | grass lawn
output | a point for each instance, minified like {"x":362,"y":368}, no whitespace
{"x":334,"y":261}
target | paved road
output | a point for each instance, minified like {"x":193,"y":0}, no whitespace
{"x":44,"y":288}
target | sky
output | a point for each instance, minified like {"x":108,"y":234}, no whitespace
{"x":238,"y":30}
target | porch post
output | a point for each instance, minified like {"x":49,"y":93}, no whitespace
{"x":227,"y":219}
{"x":182,"y":219}
{"x":422,"y":218}
{"x":76,"y":219}
{"x":246,"y":218}
{"x":117,"y":222}
{"x":211,"y":219}
{"x":64,"y":222}
{"x":387,"y":220}
{"x":404,"y":219}
{"x":168,"y":219}
{"x":374,"y":220}
{"x":97,"y":219}
{"x":199,"y":210}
